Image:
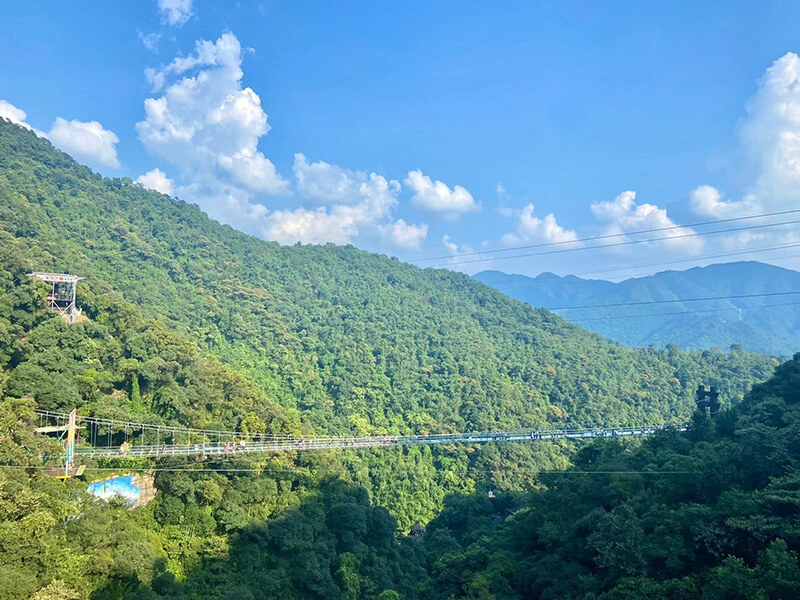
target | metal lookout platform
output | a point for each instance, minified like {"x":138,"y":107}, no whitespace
{"x":62,"y":294}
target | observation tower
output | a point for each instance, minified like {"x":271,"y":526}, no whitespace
{"x":61,"y":298}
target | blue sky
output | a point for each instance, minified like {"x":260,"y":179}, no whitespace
{"x":436,"y":128}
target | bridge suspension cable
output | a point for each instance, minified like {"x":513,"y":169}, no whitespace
{"x":119,"y":425}
{"x":210,"y":442}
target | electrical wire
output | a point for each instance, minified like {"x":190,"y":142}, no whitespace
{"x":673,"y":301}
{"x":610,"y":235}
{"x":617,"y":244}
{"x":533,"y":284}
{"x":685,"y":312}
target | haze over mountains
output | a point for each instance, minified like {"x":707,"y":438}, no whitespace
{"x":767,"y":324}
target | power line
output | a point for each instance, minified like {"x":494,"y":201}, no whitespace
{"x":611,"y":235}
{"x":734,"y":297}
{"x":530,"y":284}
{"x":625,"y":243}
{"x":685,"y":312}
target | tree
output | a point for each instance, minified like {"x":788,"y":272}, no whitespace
{"x":56,"y":590}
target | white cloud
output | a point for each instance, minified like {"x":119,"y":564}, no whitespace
{"x":707,"y":201}
{"x":402,"y":235}
{"x":458,"y":262}
{"x":150,"y":40}
{"x":770,"y":137}
{"x":326,"y":182}
{"x":500,"y":190}
{"x":770,"y":140}
{"x":436,"y":196}
{"x":455,"y":249}
{"x":312,"y":226}
{"x":175,"y":12}
{"x":156,"y":180}
{"x":209,"y":126}
{"x":623,"y":215}
{"x":255,"y":171}
{"x":361,"y":206}
{"x":87,"y":142}
{"x":226,"y":203}
{"x":451,"y":246}
{"x":11,"y":113}
{"x":533,"y":229}
{"x":771,"y":130}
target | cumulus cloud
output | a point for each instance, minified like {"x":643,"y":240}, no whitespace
{"x":361,"y":205}
{"x":208,"y":122}
{"x":253,"y":170}
{"x":708,"y":201}
{"x":326,"y":182}
{"x":451,"y":246}
{"x":771,"y":130}
{"x":623,"y":215}
{"x":533,"y":229}
{"x":361,"y":202}
{"x":11,"y":113}
{"x":175,"y":12}
{"x":402,"y":235}
{"x":770,"y":138}
{"x":437,"y":197}
{"x":770,"y":141}
{"x":457,"y":250}
{"x":87,"y":142}
{"x":209,"y":126}
{"x":339,"y":223}
{"x":157,"y":181}
{"x":312,"y":226}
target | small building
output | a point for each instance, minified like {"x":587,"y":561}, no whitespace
{"x":417,"y":530}
{"x":62,"y":295}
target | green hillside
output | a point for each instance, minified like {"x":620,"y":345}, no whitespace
{"x":712,"y":514}
{"x":193,"y":323}
{"x":351,"y":340}
{"x":760,"y":324}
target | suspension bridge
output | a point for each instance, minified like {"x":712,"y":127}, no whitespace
{"x":94,"y":438}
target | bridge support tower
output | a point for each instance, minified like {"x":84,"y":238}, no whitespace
{"x":707,"y":400}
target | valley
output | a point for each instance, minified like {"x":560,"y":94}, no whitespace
{"x":191,"y":325}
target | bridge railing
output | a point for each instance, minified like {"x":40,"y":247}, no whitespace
{"x":290,"y":443}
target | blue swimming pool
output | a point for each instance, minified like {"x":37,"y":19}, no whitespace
{"x":116,"y":486}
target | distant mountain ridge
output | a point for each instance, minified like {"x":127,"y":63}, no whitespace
{"x":695,"y":325}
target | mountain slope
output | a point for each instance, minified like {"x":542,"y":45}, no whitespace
{"x":353,"y":340}
{"x":194,"y":323}
{"x":691,"y":325}
{"x":713,"y":514}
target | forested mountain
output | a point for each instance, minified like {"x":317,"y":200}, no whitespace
{"x":193,"y":323}
{"x":770,"y":325}
{"x":712,"y":514}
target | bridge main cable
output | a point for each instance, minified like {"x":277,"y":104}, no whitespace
{"x":334,"y":443}
{"x":245,"y":442}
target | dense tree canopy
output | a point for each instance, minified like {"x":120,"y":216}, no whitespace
{"x":192,"y":323}
{"x":355,"y":341}
{"x":712,"y":514}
